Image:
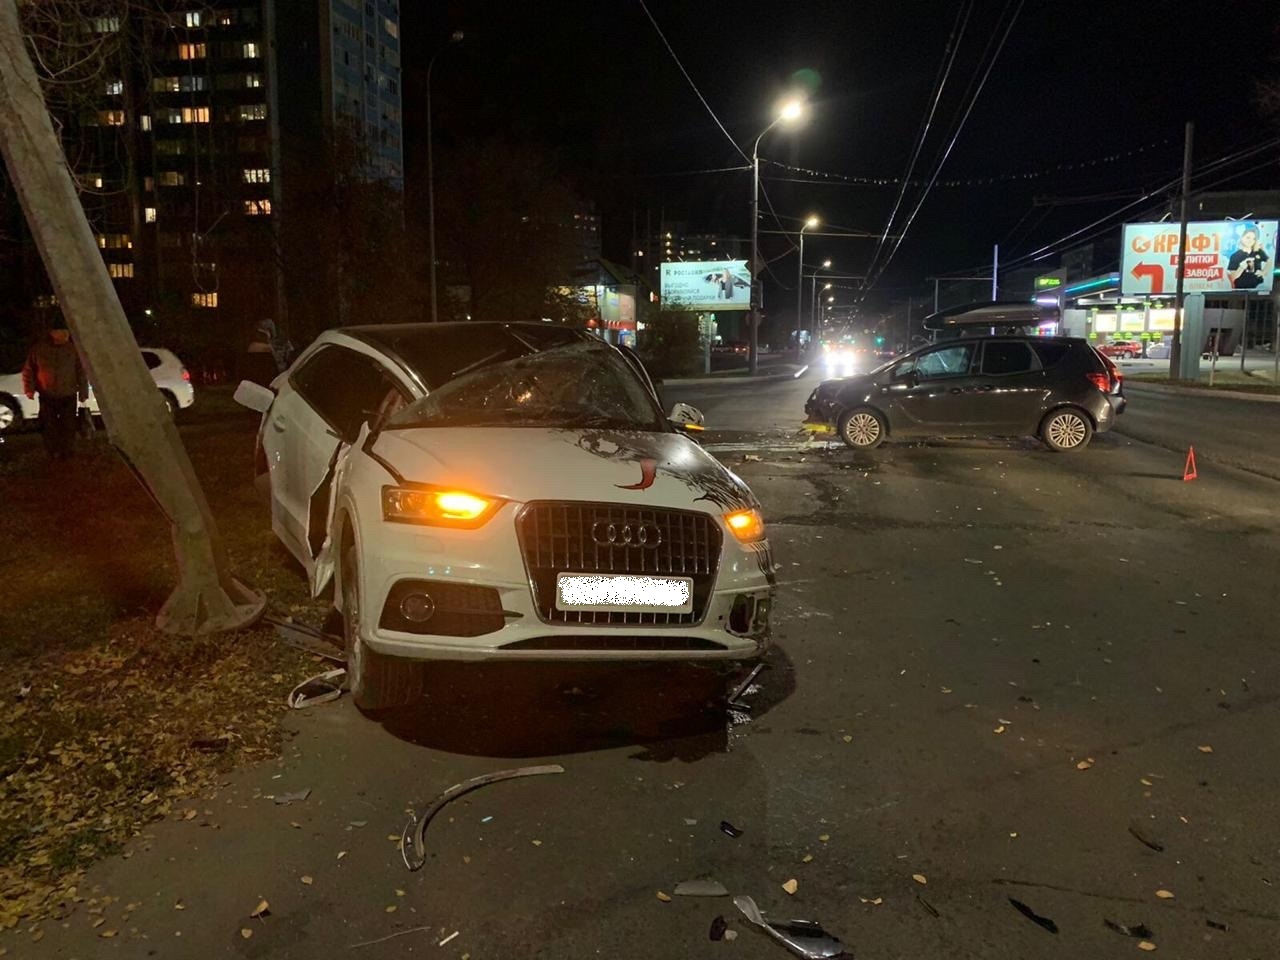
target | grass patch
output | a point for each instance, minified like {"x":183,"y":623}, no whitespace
{"x":104,"y":709}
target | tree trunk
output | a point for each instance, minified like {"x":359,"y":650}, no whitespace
{"x":207,"y":598}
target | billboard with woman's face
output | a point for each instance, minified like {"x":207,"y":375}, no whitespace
{"x":706,"y":286}
{"x":1223,"y":256}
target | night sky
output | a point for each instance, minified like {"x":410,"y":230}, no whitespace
{"x":1076,"y":82}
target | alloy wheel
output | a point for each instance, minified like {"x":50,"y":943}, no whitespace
{"x":1067,"y":430}
{"x":863,"y":429}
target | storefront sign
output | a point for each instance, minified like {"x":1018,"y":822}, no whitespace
{"x":710,"y":285}
{"x":1222,"y":256}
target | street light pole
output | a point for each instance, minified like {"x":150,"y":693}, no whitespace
{"x":791,"y":110}
{"x":813,"y":296}
{"x":455,"y":37}
{"x":810,"y":222}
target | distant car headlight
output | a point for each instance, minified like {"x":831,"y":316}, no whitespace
{"x":437,"y":507}
{"x":746,"y":525}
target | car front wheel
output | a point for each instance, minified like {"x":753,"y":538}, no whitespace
{"x":10,"y":415}
{"x":376,"y":681}
{"x":861,"y":428}
{"x":1066,"y":429}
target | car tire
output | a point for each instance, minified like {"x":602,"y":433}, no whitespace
{"x":1066,"y":430}
{"x":10,"y":415}
{"x":862,"y":428}
{"x":376,"y":681}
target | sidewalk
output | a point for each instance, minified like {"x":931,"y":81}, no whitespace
{"x":1259,"y":392}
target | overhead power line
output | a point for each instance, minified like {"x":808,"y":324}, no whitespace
{"x":692,"y":85}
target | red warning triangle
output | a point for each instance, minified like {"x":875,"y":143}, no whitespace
{"x":1189,"y":471}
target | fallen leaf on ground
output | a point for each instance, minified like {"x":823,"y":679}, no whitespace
{"x":246,"y":932}
{"x":307,"y":880}
{"x":999,"y":729}
{"x":1146,"y":945}
{"x":1085,"y":764}
{"x":1145,"y":782}
{"x":1205,"y":749}
{"x":847,"y":739}
{"x":108,"y":934}
{"x":391,"y":909}
{"x":343,"y":853}
{"x":824,"y":837}
{"x":807,"y":858}
{"x":791,"y":886}
{"x":261,"y":910}
{"x":664,"y":897}
{"x":875,"y":903}
{"x":731,"y":934}
{"x":1164,"y":894}
{"x":536,"y":843}
{"x":919,"y":878}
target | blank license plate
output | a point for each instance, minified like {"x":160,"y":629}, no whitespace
{"x":610,"y":593}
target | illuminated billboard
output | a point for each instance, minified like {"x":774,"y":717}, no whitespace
{"x":1223,"y":256}
{"x":706,"y":285}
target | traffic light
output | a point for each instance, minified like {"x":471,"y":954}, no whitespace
{"x":879,"y":341}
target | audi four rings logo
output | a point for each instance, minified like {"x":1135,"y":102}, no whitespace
{"x":638,"y":535}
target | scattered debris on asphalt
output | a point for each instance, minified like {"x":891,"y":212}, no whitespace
{"x":263,"y":909}
{"x":1216,"y":925}
{"x":322,"y":688}
{"x":1205,"y":749}
{"x":729,"y":829}
{"x":804,"y":938}
{"x":1034,"y":917}
{"x":284,"y":799}
{"x":448,"y":938}
{"x":929,"y":907}
{"x":791,"y":886}
{"x":412,"y":840}
{"x":1085,"y":764}
{"x":1164,"y":894}
{"x":1139,"y":931}
{"x":664,"y":896}
{"x":741,"y":688}
{"x":718,"y":928}
{"x":1145,"y":840}
{"x":920,"y":878}
{"x":1146,"y":945}
{"x":701,"y":888}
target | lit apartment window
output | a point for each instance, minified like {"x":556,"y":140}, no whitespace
{"x":46,"y":300}
{"x":257,"y":208}
{"x":204,"y":299}
{"x":195,"y":114}
{"x":191,"y":51}
{"x":172,"y":178}
{"x":114,"y":241}
{"x":253,"y":111}
{"x":166,"y":84}
{"x":253,"y":80}
{"x":249,"y":51}
{"x":120,"y":270}
{"x":144,"y":121}
{"x":105,"y":24}
{"x":390,"y":26}
{"x":256,"y":175}
{"x":193,"y":18}
{"x":225,"y":18}
{"x":111,"y":118}
{"x":149,"y":214}
{"x":115,"y":88}
{"x":93,"y":180}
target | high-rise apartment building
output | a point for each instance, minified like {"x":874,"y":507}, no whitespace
{"x":188,"y":152}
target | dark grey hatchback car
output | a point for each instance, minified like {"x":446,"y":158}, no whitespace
{"x":1056,"y":388}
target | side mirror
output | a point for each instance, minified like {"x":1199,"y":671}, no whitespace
{"x":687,"y":417}
{"x":254,"y":396}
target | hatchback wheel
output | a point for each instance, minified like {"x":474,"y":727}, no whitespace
{"x":861,"y":428}
{"x":1066,"y":429}
{"x":10,"y":415}
{"x":376,"y":681}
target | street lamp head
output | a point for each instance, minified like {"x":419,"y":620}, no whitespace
{"x":456,"y":36}
{"x":791,"y":110}
{"x":811,"y":222}
{"x":831,"y":299}
{"x":826,"y":264}
{"x":826,"y":286}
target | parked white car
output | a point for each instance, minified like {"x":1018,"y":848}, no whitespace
{"x":505,"y":491}
{"x":167,"y":371}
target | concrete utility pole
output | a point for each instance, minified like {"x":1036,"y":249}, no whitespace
{"x":1175,"y":349}
{"x":208,"y":598}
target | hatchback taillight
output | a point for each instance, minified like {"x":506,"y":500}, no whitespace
{"x":186,"y":374}
{"x":1100,"y":380}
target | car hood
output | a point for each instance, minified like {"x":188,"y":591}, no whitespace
{"x":532,"y":463}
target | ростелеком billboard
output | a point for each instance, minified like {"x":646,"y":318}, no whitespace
{"x":1223,"y":256}
{"x":707,"y":285}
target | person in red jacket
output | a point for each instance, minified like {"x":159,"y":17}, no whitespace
{"x":54,"y":372}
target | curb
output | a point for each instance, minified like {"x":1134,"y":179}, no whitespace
{"x":1140,"y":385}
{"x":759,"y":378}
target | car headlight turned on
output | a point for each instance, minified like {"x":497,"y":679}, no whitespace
{"x":746,"y":525}
{"x":437,"y":507}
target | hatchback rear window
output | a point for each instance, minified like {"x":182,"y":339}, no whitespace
{"x":1051,"y":351}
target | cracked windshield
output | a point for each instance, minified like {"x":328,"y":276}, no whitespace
{"x":638,"y":479}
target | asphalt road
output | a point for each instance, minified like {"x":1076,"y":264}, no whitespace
{"x":1012,"y":673}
